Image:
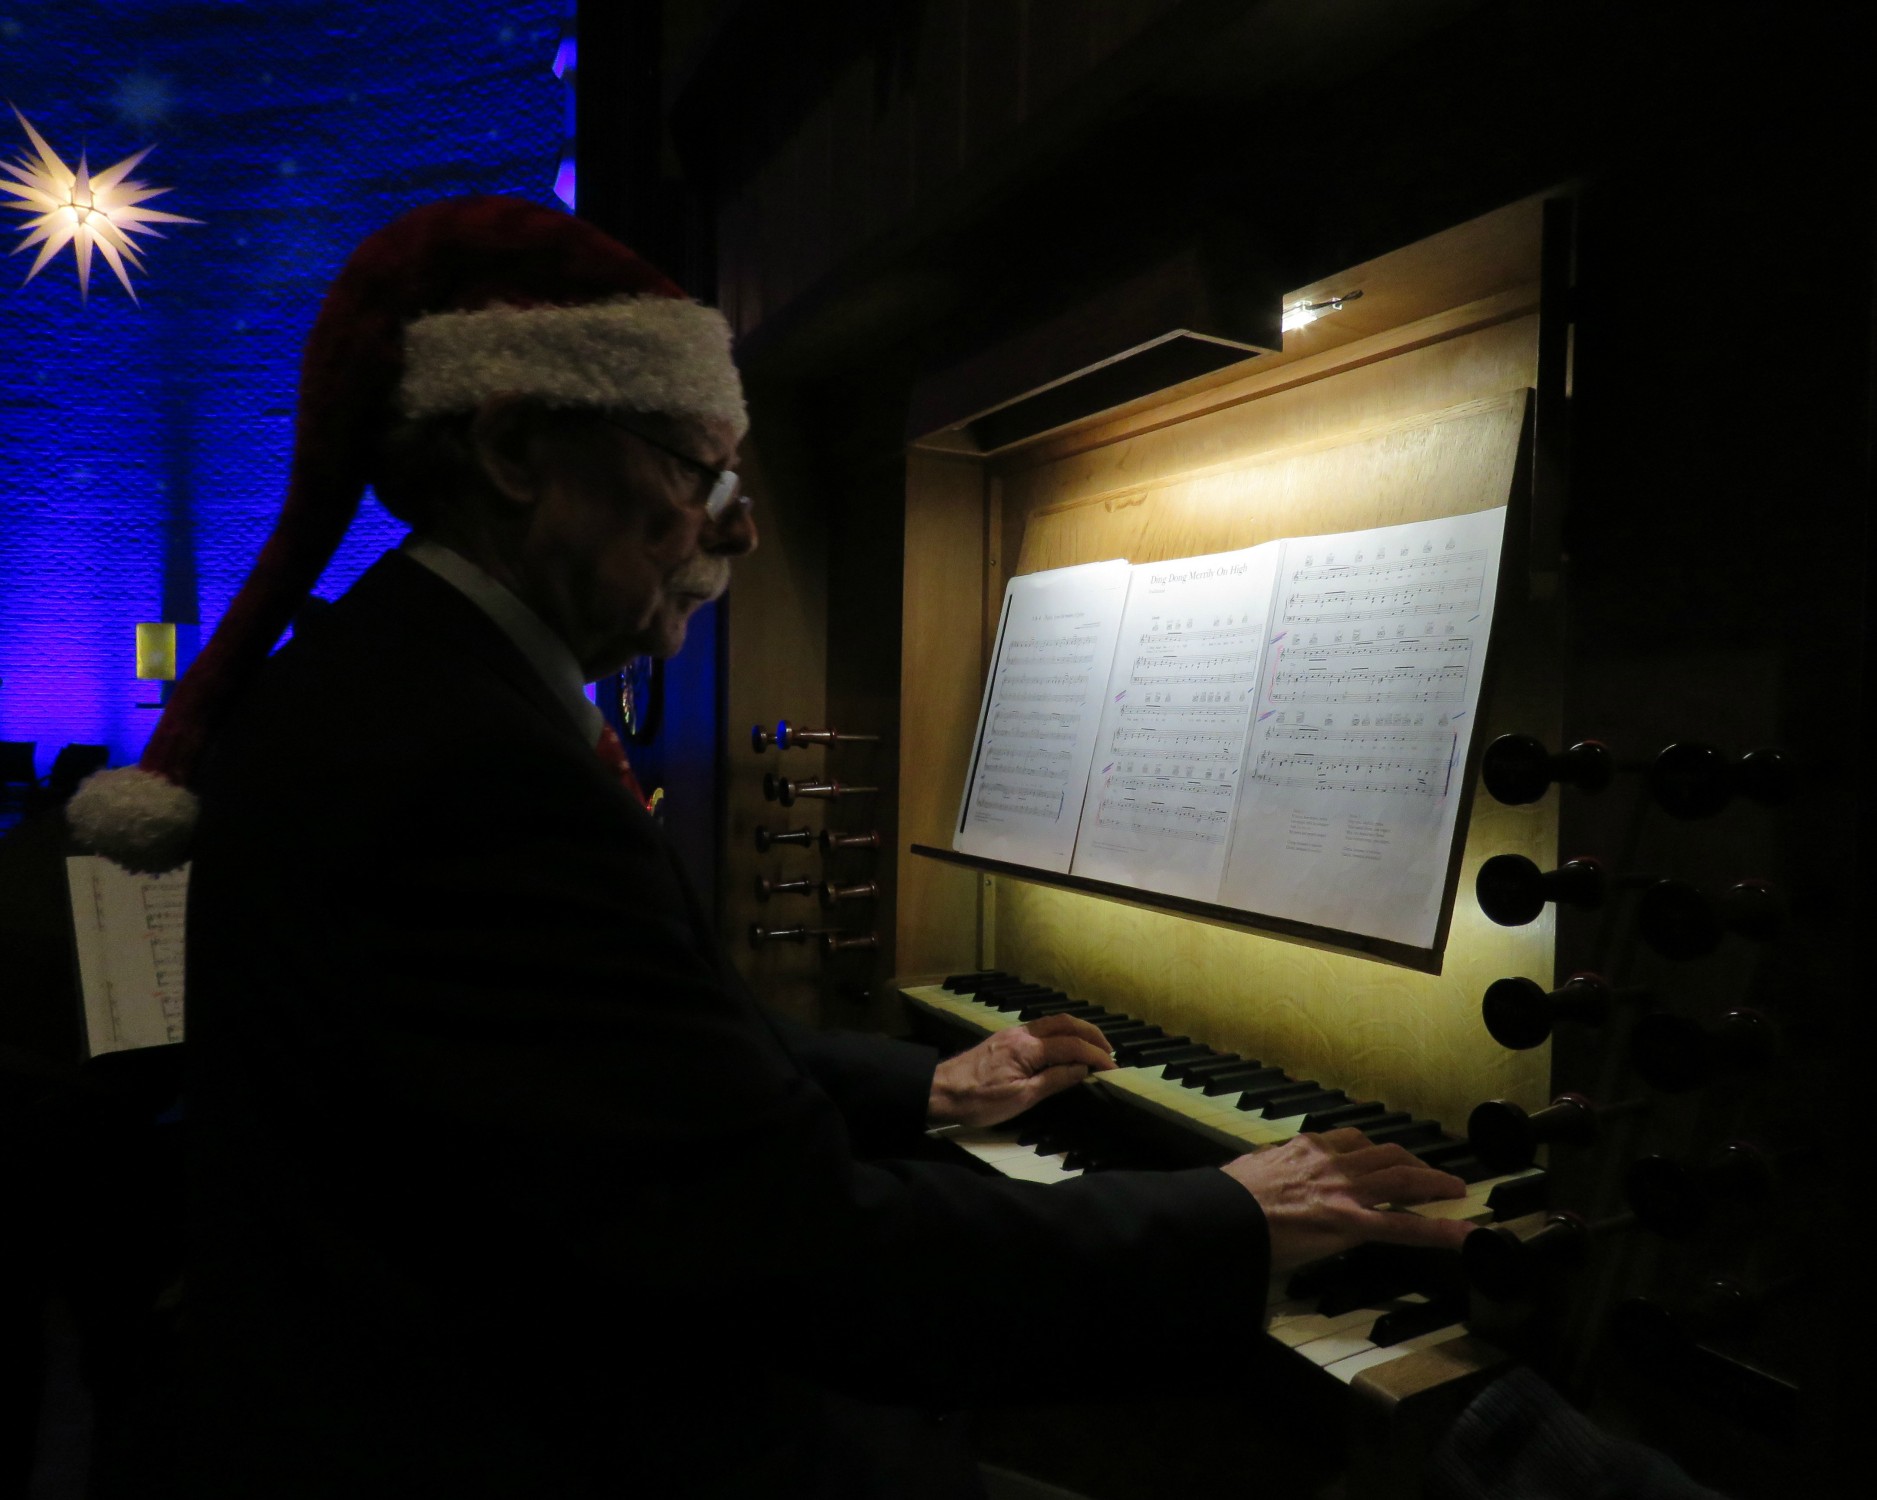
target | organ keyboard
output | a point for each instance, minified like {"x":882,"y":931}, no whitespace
{"x":1175,"y":1102}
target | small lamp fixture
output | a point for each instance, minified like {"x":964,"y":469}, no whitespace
{"x":1303,"y":314}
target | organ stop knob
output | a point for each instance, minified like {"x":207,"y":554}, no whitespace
{"x":1675,"y":1054}
{"x":1681,"y":922}
{"x":1513,"y":891}
{"x":765,"y":887}
{"x":1518,"y":769}
{"x":1520,"y":1012}
{"x":1506,"y":1138}
{"x":1675,"y":1199}
{"x":833,"y":895}
{"x":786,"y":736}
{"x":781,"y":789}
{"x":766,"y":839}
{"x":830,"y":840}
{"x":1509,"y":1266}
{"x":1690,"y":780}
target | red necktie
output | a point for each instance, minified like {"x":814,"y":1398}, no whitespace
{"x":613,"y":754}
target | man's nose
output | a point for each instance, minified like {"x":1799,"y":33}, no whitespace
{"x":733,"y":534}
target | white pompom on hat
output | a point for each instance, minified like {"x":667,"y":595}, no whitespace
{"x":448,"y":305}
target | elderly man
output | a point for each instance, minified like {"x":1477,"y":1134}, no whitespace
{"x":505,"y":1185}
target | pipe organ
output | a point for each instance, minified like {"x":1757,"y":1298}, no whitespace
{"x":1603,"y":1042}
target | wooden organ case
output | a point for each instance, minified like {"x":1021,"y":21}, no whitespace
{"x":1652,"y":1274}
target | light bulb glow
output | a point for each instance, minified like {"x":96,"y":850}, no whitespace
{"x":101,"y":213}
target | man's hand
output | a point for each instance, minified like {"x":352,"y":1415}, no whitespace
{"x":1012,"y":1069}
{"x":1319,"y":1195}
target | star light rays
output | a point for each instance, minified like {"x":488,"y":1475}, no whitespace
{"x":101,"y":213}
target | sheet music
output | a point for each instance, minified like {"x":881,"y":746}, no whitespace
{"x":1036,"y":728}
{"x":1165,"y":776}
{"x":1353,"y":769}
{"x":129,"y":931}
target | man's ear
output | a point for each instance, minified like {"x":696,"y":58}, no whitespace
{"x":501,"y":435}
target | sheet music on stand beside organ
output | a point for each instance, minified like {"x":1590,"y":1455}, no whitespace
{"x":129,"y":934}
{"x":1036,"y":728}
{"x":1284,"y":729}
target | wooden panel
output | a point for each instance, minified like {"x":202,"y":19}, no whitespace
{"x":941,"y":678}
{"x":1230,"y":479}
{"x":778,"y":633}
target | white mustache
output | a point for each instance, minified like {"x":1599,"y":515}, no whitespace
{"x":705,"y":576}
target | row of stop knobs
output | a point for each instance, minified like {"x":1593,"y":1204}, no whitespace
{"x":833,"y":896}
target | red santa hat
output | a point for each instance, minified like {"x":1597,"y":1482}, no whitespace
{"x":450,"y":304}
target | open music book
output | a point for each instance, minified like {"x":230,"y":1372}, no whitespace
{"x":1281,"y":730}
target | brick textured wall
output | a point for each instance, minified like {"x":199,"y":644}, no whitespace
{"x":143,"y":449}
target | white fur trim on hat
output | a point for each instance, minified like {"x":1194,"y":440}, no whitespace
{"x":142,"y":820}
{"x":650,"y":353}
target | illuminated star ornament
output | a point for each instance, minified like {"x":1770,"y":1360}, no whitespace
{"x":83,"y":211}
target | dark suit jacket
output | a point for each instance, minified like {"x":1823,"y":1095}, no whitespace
{"x":505,"y":1186}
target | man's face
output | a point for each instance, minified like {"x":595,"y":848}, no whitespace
{"x":619,"y":551}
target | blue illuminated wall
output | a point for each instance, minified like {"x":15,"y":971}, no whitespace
{"x":143,"y":450}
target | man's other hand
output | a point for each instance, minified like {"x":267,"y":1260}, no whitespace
{"x":1012,"y":1069}
{"x":1320,"y":1194}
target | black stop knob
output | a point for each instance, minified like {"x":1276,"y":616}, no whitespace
{"x":1675,"y":1054}
{"x":760,"y":739}
{"x":1520,"y":1013}
{"x":1513,"y":891}
{"x":1517,"y":768}
{"x":1506,"y":1138}
{"x":1509,"y":1267}
{"x":1690,"y":780}
{"x":1681,"y":922}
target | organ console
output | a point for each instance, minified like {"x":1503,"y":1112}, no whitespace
{"x":1233,"y":1034}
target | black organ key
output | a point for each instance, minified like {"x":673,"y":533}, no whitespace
{"x":1520,"y":1196}
{"x":1336,"y":1115}
{"x":1304,"y":1104}
{"x":1412,"y":1319}
{"x":969,"y":984}
{"x":1192,"y":1074}
{"x":1018,"y":996}
{"x":1135,"y":1054}
{"x":1275,"y":1101}
{"x":1123,"y":1030}
{"x":1190,"y":1052}
{"x":1440,"y":1153}
{"x":1038,"y":1008}
{"x":1409,"y":1133}
{"x":1234,"y":1081}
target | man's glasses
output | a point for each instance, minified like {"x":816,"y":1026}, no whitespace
{"x":723,"y":482}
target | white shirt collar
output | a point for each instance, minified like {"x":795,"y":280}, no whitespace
{"x":546,"y":652}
